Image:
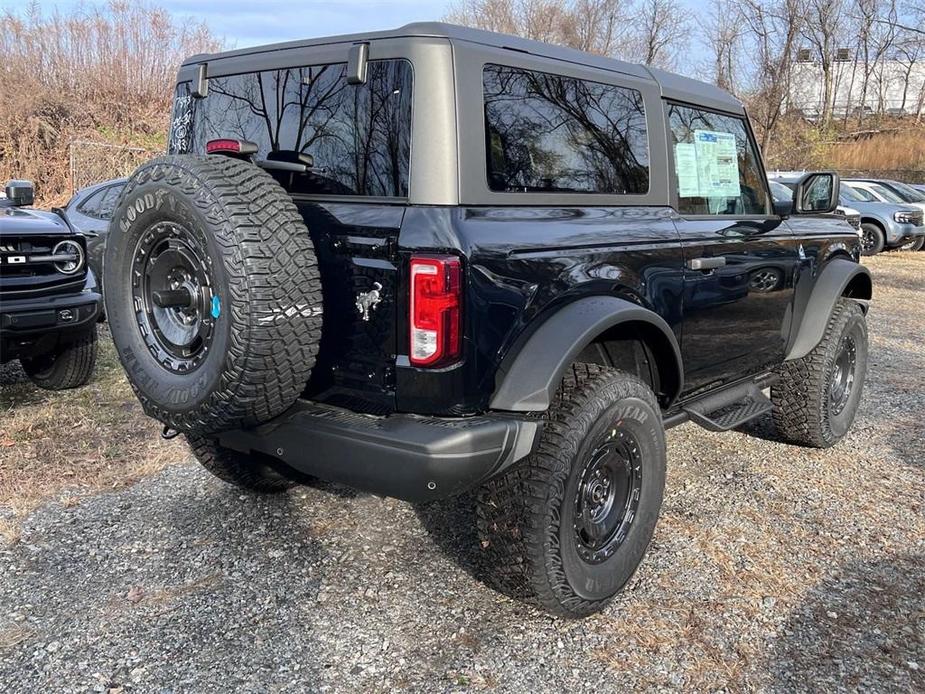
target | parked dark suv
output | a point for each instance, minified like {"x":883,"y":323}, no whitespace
{"x":48,"y":298}
{"x":435,"y":259}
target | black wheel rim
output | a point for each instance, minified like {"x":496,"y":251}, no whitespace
{"x":868,"y":240}
{"x":174,"y":304}
{"x":843,"y":373}
{"x":764,"y":280}
{"x":607,"y":497}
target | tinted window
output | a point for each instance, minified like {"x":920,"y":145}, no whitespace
{"x":851,"y":194}
{"x":358,"y":135}
{"x":907,"y":193}
{"x":108,"y":201}
{"x":858,"y":194}
{"x":549,"y":133}
{"x":102,"y":203}
{"x":716,"y":165}
{"x":885,"y":193}
{"x":91,"y":205}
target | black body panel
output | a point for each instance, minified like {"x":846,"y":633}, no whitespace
{"x":355,"y":245}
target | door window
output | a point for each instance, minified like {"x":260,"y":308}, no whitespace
{"x":716,"y":165}
{"x":554,"y":134}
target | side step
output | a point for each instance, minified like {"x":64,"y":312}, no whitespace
{"x":729,"y":408}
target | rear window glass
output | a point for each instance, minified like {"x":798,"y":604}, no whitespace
{"x":553,"y":134}
{"x":359,"y":136}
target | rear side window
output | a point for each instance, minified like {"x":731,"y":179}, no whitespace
{"x":716,"y":164}
{"x":359,"y":136}
{"x":553,"y":134}
{"x":102,"y":203}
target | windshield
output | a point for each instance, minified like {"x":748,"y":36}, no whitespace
{"x":884,"y":193}
{"x":907,"y":193}
{"x":854,"y":194}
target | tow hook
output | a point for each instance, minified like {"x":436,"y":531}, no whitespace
{"x":167,"y":433}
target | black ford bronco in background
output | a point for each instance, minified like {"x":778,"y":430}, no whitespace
{"x":48,"y":299}
{"x":434,"y":260}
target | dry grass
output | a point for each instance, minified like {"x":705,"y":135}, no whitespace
{"x":887,"y":151}
{"x":101,"y":73}
{"x":64,"y":445}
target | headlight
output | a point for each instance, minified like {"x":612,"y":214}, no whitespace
{"x":908,"y":218}
{"x":74,"y":261}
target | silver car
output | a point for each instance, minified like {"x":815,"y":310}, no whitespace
{"x":894,"y":193}
{"x":883,"y":224}
{"x":89,"y":212}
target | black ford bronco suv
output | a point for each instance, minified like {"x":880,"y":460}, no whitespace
{"x":48,"y":299}
{"x":436,"y":260}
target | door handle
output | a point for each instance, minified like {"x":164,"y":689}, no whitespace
{"x":706,"y":263}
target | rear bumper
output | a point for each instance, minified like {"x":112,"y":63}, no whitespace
{"x":403,"y":456}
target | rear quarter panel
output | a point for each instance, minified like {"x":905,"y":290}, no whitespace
{"x":522,"y":264}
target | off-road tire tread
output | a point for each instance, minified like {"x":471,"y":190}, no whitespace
{"x":237,"y":468}
{"x":72,"y":367}
{"x":518,"y":511}
{"x":270,"y":262}
{"x":799,"y":397}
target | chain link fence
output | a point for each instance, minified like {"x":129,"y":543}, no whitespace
{"x":94,"y":162}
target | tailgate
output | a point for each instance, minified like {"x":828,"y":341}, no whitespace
{"x":355,"y":244}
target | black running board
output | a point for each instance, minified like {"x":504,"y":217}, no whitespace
{"x":728,"y":408}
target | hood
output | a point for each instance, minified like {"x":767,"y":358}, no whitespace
{"x":885,"y":209}
{"x":25,"y":221}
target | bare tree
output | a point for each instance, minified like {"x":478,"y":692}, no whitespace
{"x":774,"y":31}
{"x":661,"y":29}
{"x":822,"y":28}
{"x":722,"y":34}
{"x":651,"y":33}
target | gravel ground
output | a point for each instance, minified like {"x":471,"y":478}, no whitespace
{"x":773,"y":568}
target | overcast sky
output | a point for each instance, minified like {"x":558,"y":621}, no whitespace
{"x":253,"y":22}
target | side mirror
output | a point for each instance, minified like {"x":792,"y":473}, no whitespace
{"x":816,"y":193}
{"x":20,"y":193}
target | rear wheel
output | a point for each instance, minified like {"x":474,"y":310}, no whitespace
{"x":69,"y":366}
{"x":256,"y":473}
{"x":872,"y":239}
{"x":213,"y":293}
{"x":817,"y":396}
{"x":567,"y":526}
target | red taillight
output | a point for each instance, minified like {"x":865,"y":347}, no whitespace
{"x":436,"y":310}
{"x":225,"y":146}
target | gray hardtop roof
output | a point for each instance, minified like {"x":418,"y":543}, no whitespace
{"x":672,"y":86}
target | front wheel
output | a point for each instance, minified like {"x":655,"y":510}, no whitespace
{"x":567,"y":526}
{"x":872,"y":239}
{"x":69,"y":366}
{"x":817,"y":396}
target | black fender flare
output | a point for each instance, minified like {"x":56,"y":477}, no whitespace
{"x":529,"y":376}
{"x":840,"y":277}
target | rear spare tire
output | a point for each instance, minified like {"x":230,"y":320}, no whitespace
{"x":213,"y":294}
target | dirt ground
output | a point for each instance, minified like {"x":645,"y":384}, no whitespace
{"x":125,"y":567}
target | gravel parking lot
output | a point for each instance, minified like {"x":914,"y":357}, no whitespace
{"x":773,"y":567}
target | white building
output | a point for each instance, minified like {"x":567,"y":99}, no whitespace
{"x":894,"y":87}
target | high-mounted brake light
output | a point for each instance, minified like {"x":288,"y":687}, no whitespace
{"x":436,"y":310}
{"x":228,"y":146}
